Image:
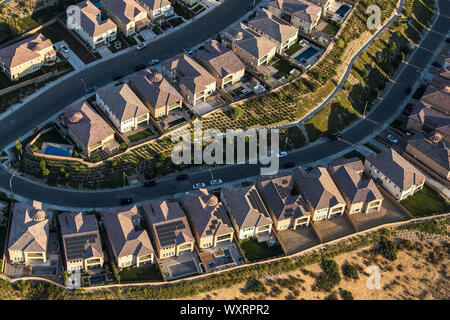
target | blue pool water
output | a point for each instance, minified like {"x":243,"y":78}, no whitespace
{"x":58,"y":151}
{"x":305,"y":55}
{"x":342,"y":11}
{"x":96,"y":3}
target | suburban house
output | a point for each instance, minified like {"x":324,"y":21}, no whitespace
{"x":221,"y":62}
{"x":26,"y":56}
{"x":169,"y":228}
{"x":302,"y":14}
{"x":253,"y":49}
{"x":441,"y":80}
{"x":360,"y":193}
{"x":129,"y":241}
{"x":157,"y":8}
{"x":125,"y":110}
{"x":320,"y":192}
{"x":129,"y":15}
{"x":195,"y":83}
{"x":93,"y":29}
{"x":248,"y":214}
{"x":208,"y":218}
{"x":423,"y":117}
{"x":157,"y":94}
{"x":82,"y":246}
{"x":275,"y":29}
{"x":287,"y":207}
{"x":28,"y":235}
{"x":438,"y":99}
{"x":325,"y":4}
{"x":88,"y":129}
{"x":400,"y":178}
{"x":431,"y":149}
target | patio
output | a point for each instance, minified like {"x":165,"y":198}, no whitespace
{"x":175,"y":118}
{"x":223,"y":255}
{"x":210,"y":104}
{"x":294,"y":241}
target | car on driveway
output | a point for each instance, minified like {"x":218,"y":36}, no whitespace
{"x":125,"y":201}
{"x":187,"y":50}
{"x":153,"y":62}
{"x":64,"y":49}
{"x":216,"y":182}
{"x":91,"y":89}
{"x":281,"y":154}
{"x":141,"y":46}
{"x":392,"y":139}
{"x":181,"y":177}
{"x":149,"y":183}
{"x":139,"y":67}
{"x":198,"y":185}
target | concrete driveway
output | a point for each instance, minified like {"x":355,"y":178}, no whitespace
{"x":70,"y":56}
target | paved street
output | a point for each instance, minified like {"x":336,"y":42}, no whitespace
{"x":41,"y":108}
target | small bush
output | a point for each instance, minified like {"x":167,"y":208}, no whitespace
{"x":388,"y":249}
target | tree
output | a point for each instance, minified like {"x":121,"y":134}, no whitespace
{"x":236,"y":113}
{"x":340,"y":43}
{"x":19,"y":147}
{"x":388,"y":249}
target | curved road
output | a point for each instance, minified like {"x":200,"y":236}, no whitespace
{"x":44,"y":106}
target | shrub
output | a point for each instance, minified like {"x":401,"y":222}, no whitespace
{"x":254,"y":286}
{"x":346,"y":295}
{"x":350,"y":271}
{"x":236,"y":113}
{"x":388,"y":249}
{"x":330,"y":277}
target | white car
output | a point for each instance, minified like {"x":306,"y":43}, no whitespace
{"x":244,"y":91}
{"x":141,"y":46}
{"x":216,"y":182}
{"x":392,"y":139}
{"x":64,"y":49}
{"x":198,"y":185}
{"x":282,"y":154}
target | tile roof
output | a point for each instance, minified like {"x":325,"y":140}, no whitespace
{"x":246,"y":206}
{"x":91,"y":19}
{"x":122,"y":102}
{"x":29,"y":227}
{"x":74,"y":225}
{"x":23,"y":51}
{"x":126,"y":240}
{"x":125,"y":10}
{"x":424,"y":114}
{"x":192,"y":74}
{"x":86,"y":124}
{"x":223,"y":60}
{"x":318,"y":187}
{"x":302,"y":9}
{"x":207,"y":213}
{"x":164,"y":213}
{"x":250,"y":41}
{"x":154,"y":89}
{"x":433,"y":147}
{"x":437,"y":98}
{"x":155,"y":4}
{"x":396,"y":168}
{"x":349,"y":176}
{"x":272,"y":26}
{"x":279,"y":193}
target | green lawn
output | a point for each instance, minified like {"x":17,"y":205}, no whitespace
{"x":283,"y":68}
{"x":175,"y":21}
{"x":296,"y":136}
{"x":147,"y":273}
{"x":140,"y":135}
{"x":255,"y":251}
{"x":52,"y":136}
{"x":331,"y":29}
{"x":293,"y":49}
{"x":425,"y":202}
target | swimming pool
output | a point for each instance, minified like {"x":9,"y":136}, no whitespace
{"x":58,"y":151}
{"x":342,"y":11}
{"x":305,"y":55}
